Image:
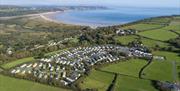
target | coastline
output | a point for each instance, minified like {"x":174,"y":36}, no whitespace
{"x":46,"y":16}
{"x":64,"y":19}
{"x":31,"y":15}
{"x":49,"y":17}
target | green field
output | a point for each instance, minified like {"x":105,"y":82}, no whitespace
{"x":24,"y":60}
{"x":152,"y":43}
{"x":159,"y":34}
{"x":141,"y":27}
{"x":147,"y":42}
{"x":125,"y":39}
{"x":17,"y":62}
{"x":163,"y":33}
{"x":178,"y":70}
{"x":97,"y":80}
{"x":159,"y":70}
{"x":13,"y":84}
{"x":55,"y":52}
{"x":124,"y":83}
{"x":174,"y":27}
{"x":170,"y":56}
{"x":130,"y":67}
{"x":128,"y":81}
{"x":159,"y":20}
{"x":101,"y":80}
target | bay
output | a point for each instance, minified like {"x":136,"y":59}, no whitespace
{"x":111,"y":16}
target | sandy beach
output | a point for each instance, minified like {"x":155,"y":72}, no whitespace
{"x":42,"y":15}
{"x":46,"y":16}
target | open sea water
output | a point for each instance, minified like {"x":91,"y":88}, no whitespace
{"x":111,"y":16}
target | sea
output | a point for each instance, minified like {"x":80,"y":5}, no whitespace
{"x":111,"y":16}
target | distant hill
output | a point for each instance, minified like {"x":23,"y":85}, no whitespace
{"x":12,"y":10}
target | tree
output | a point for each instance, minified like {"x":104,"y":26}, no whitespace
{"x":40,"y":55}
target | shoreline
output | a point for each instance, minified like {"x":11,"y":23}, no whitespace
{"x":45,"y":16}
{"x":48,"y":17}
{"x":30,"y":15}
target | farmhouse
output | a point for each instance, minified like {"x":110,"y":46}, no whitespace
{"x":123,"y":32}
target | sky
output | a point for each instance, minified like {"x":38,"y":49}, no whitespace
{"x":132,"y":3}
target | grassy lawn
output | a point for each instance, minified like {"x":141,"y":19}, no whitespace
{"x":147,"y":42}
{"x":54,"y":52}
{"x":12,"y":84}
{"x":159,"y":20}
{"x":124,"y":83}
{"x":174,"y":27}
{"x":24,"y":60}
{"x":141,"y":27}
{"x":97,"y":80}
{"x":131,"y":67}
{"x":178,"y":70}
{"x":159,"y":34}
{"x":125,"y":39}
{"x":17,"y":62}
{"x":163,"y":33}
{"x":159,"y":70}
{"x":170,"y":56}
{"x":152,"y":43}
{"x":178,"y":31}
{"x":162,"y":70}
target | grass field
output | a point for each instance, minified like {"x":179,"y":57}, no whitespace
{"x":141,"y":27}
{"x":97,"y":80}
{"x":17,"y":62}
{"x":125,"y":39}
{"x":124,"y":83}
{"x":170,"y":56}
{"x":152,"y":43}
{"x":54,"y":52}
{"x":163,"y":33}
{"x":159,"y":34}
{"x":12,"y":84}
{"x":24,"y":60}
{"x":174,"y":27}
{"x":159,"y":70}
{"x":178,"y":70}
{"x":147,"y":42}
{"x":162,"y":70}
{"x":159,"y":20}
{"x":130,"y":67}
